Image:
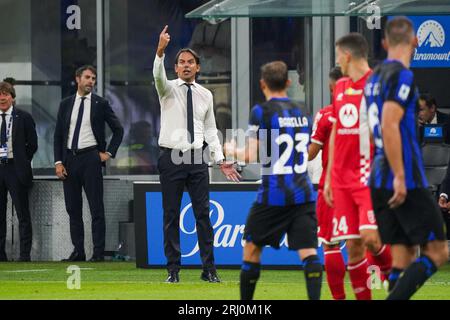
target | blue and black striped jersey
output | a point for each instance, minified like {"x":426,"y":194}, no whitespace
{"x":284,"y":132}
{"x":391,"y":81}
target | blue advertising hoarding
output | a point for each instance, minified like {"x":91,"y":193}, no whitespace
{"x":433,"y":34}
{"x":228,"y":212}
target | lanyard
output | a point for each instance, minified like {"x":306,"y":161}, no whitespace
{"x":8,"y":128}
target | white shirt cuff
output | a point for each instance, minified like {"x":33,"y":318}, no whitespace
{"x":443,"y":195}
{"x":217,"y":156}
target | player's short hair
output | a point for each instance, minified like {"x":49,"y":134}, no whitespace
{"x":355,"y":43}
{"x":430,"y":101}
{"x":275,"y":75}
{"x":335,"y":73}
{"x":6,"y":87}
{"x":399,"y":30}
{"x":81,"y":69}
{"x":195,"y":54}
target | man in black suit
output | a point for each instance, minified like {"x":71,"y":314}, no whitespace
{"x":429,"y":114}
{"x":18,"y":144}
{"x":80,"y":152}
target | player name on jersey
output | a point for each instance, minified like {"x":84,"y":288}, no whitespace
{"x":292,"y":122}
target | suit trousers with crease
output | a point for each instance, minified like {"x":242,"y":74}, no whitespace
{"x":174,"y":178}
{"x":84,"y":171}
{"x":19,"y":195}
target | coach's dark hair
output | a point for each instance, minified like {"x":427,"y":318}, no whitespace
{"x":6,"y":87}
{"x":275,"y":75}
{"x":399,"y":30}
{"x":335,"y":73}
{"x":196,"y":56}
{"x":430,"y":101}
{"x":355,"y":43}
{"x":81,"y":69}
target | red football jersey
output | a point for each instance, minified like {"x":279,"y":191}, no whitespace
{"x":323,"y":123}
{"x":352,"y":145}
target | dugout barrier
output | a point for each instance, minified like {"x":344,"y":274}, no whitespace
{"x":50,"y":221}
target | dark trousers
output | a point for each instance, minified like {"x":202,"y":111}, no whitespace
{"x":174,"y":178}
{"x":446,"y":216}
{"x":19,"y":195}
{"x":85,"y":172}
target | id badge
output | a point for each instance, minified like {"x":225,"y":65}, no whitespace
{"x":4,"y":152}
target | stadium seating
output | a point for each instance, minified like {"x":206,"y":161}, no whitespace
{"x":435,"y":158}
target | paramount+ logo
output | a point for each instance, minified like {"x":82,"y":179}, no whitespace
{"x":433,"y":48}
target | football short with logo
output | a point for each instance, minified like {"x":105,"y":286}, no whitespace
{"x":324,"y":219}
{"x":417,"y":221}
{"x":353,"y":212}
{"x":266,"y":225}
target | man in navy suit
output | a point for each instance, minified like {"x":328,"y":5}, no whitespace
{"x":80,"y":152}
{"x":18,"y":144}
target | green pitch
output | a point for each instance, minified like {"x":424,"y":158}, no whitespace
{"x":122,"y":280}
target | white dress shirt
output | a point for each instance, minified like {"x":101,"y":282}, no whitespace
{"x":87,"y":138}
{"x":434,"y":120}
{"x":9,"y":141}
{"x":173,"y":100}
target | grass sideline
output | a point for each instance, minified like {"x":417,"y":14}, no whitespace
{"x":123,"y":281}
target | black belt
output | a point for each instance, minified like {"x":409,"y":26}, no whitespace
{"x":6,"y":161}
{"x":81,"y":151}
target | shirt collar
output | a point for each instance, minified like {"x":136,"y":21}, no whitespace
{"x":182,"y":82}
{"x":10,"y":110}
{"x":280,"y":98}
{"x":362,"y":81}
{"x":393,"y":61}
{"x":88,"y":97}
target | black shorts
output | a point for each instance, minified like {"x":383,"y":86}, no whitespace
{"x":417,"y":221}
{"x":266,"y":225}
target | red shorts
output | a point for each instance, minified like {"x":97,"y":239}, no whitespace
{"x":324,"y":219}
{"x":353,"y":212}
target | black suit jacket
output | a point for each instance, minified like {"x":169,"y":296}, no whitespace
{"x":445,"y":119}
{"x":442,"y":117}
{"x":25,"y":144}
{"x":101,"y":113}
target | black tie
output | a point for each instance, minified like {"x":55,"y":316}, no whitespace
{"x":190,"y":114}
{"x":76,"y":133}
{"x":3,"y":130}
